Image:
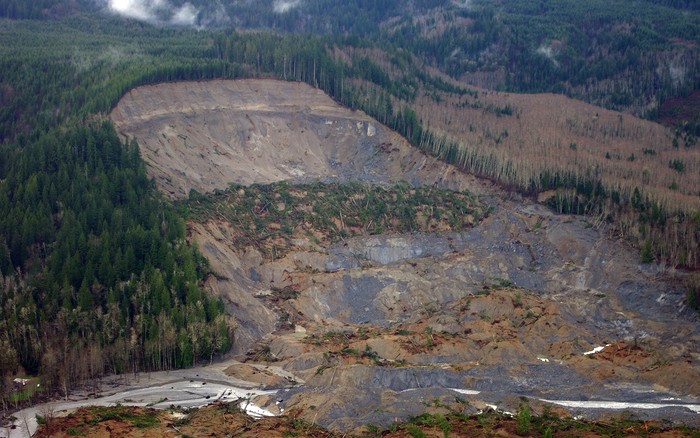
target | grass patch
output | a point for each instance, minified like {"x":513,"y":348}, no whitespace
{"x":27,"y":392}
{"x":141,"y":419}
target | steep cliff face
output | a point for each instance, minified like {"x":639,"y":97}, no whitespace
{"x":206,"y":135}
{"x":379,"y":325}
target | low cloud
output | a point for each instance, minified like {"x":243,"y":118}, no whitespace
{"x":549,"y":53}
{"x":155,"y":11}
{"x":215,"y":15}
{"x":185,"y":16}
{"x":282,"y":6}
{"x":138,"y":9}
{"x":462,"y":3}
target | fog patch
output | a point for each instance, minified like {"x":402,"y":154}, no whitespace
{"x":112,"y":56}
{"x":214,"y":15}
{"x":283,"y":6}
{"x":677,"y":74}
{"x":137,"y":9}
{"x":549,"y":53}
{"x":674,"y":68}
{"x":185,"y":16}
{"x":155,"y":11}
{"x":467,"y":4}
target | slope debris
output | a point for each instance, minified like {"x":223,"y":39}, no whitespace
{"x":207,"y":135}
{"x":378,"y":323}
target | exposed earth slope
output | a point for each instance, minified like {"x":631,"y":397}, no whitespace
{"x":206,"y":135}
{"x":380,"y":325}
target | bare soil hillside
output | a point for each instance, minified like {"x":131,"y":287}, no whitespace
{"x":206,"y":135}
{"x":533,"y":133}
{"x":378,"y":326}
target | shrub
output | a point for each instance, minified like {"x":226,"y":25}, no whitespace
{"x":524,"y":424}
{"x":677,"y":165}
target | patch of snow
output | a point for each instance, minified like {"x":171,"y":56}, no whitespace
{"x":292,"y":170}
{"x":596,"y":350}
{"x":183,"y":393}
{"x":620,"y":405}
{"x":465,"y":391}
{"x":255,"y":411}
{"x":496,"y":408}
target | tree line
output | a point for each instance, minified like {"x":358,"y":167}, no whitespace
{"x":94,"y":265}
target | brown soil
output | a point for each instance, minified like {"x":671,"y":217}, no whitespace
{"x":219,"y":420}
{"x":206,"y":135}
{"x":225,"y":420}
{"x":256,"y":374}
{"x":496,"y":305}
{"x":92,"y":422}
{"x":679,"y":109}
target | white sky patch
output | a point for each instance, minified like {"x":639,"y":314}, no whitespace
{"x":282,"y":6}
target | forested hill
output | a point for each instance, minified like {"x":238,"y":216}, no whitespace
{"x":626,"y":55}
{"x":97,"y":275}
{"x":95,"y":264}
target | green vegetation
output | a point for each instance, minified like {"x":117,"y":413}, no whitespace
{"x":524,"y":418}
{"x":141,"y":418}
{"x":610,"y":53}
{"x":98,"y":265}
{"x":97,"y":274}
{"x":547,"y":424}
{"x":677,"y":165}
{"x":270,"y":216}
{"x":692,"y":285}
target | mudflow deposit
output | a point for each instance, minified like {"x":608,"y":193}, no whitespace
{"x":376,"y":327}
